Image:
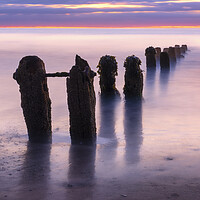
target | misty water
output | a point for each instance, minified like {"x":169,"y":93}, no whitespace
{"x":151,"y":140}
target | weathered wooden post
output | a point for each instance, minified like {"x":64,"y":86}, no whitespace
{"x":107,"y":69}
{"x":177,"y":51}
{"x":133,"y":77}
{"x":81,"y":103}
{"x":184,"y":46}
{"x":164,"y":60}
{"x":172,"y":54}
{"x":35,"y":101}
{"x":166,"y":50}
{"x":150,"y":53}
{"x":158,"y":51}
{"x":184,"y":49}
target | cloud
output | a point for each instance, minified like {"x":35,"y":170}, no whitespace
{"x":99,"y":13}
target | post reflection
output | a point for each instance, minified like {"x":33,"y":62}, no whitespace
{"x":150,"y":81}
{"x":107,"y":130}
{"x":164,"y":79}
{"x":81,"y":172}
{"x":133,"y":129}
{"x":36,"y":170}
{"x":173,"y":65}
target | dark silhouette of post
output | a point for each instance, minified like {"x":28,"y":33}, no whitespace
{"x":107,"y":69}
{"x":133,"y":77}
{"x":184,"y":46}
{"x":164,"y":60}
{"x":81,"y":103}
{"x":177,"y":51}
{"x":172,"y":54}
{"x":158,"y":51}
{"x":150,"y":53}
{"x":166,"y":50}
{"x":35,"y":101}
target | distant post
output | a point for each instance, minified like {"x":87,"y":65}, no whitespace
{"x":177,"y":51}
{"x":164,"y":60}
{"x":172,"y":54}
{"x":107,"y":69}
{"x":158,"y":51}
{"x":81,"y":102}
{"x":133,"y":77}
{"x":35,"y":101}
{"x":150,"y":53}
{"x":184,"y":48}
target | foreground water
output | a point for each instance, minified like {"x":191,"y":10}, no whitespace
{"x":145,"y":150}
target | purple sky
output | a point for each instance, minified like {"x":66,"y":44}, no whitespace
{"x":84,"y":13}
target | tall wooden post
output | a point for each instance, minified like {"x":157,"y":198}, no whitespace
{"x":35,"y":101}
{"x":81,"y":103}
{"x":150,"y":53}
{"x":107,"y":69}
{"x":133,"y":77}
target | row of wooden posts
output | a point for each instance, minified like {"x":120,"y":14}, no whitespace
{"x":36,"y":104}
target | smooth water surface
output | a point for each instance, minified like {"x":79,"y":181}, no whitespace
{"x":145,"y":146}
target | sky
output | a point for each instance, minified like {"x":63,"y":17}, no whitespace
{"x":102,"y":13}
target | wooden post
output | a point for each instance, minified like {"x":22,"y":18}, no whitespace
{"x":166,"y":50}
{"x":158,"y":51}
{"x":177,"y":51}
{"x":164,"y":60}
{"x":184,"y":46}
{"x":133,"y":77}
{"x":172,"y":54}
{"x":150,"y":53}
{"x":107,"y":69}
{"x":81,"y":103}
{"x":35,"y":101}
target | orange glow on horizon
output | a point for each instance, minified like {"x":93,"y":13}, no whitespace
{"x":179,"y":1}
{"x":78,"y":6}
{"x":102,"y":27}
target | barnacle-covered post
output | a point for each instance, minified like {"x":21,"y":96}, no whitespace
{"x":35,"y":101}
{"x":133,"y":77}
{"x":172,"y":54}
{"x":81,"y":103}
{"x":150,"y":53}
{"x":164,"y":60}
{"x":107,"y":69}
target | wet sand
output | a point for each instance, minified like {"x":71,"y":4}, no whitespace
{"x":61,"y":171}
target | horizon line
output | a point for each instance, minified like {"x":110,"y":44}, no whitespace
{"x":91,"y":27}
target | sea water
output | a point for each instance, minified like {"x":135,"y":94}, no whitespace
{"x":159,"y":135}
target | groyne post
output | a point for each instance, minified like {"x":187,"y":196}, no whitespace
{"x":81,"y":103}
{"x":172,"y":54}
{"x":177,"y":51}
{"x":35,"y":101}
{"x":107,"y":69}
{"x":158,"y":51}
{"x":133,"y":77}
{"x":150,"y":53}
{"x":164,"y":60}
